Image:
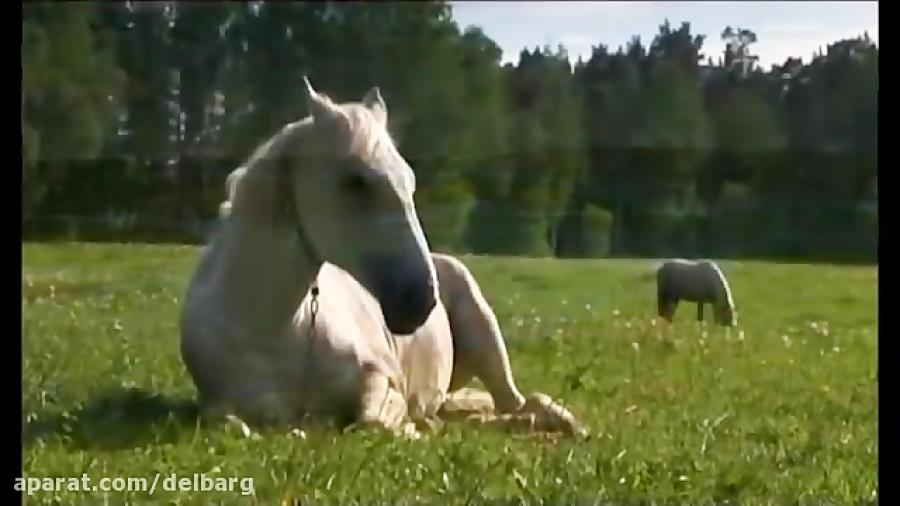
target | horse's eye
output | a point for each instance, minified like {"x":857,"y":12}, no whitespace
{"x":354,"y":182}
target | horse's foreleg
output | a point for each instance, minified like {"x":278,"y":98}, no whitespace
{"x":479,"y":349}
{"x":666,"y":309}
{"x":478,"y":346}
{"x":381,"y":405}
{"x":699,"y":311}
{"x":465,"y":402}
{"x":540,"y":413}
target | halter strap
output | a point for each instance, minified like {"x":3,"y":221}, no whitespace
{"x":306,"y":245}
{"x":310,"y":250}
{"x":302,"y":238}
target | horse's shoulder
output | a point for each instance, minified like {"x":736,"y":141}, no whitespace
{"x":341,"y":292}
{"x":336,"y":281}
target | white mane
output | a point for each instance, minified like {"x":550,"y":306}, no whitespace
{"x":724,"y":283}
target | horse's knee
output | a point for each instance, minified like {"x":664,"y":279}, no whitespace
{"x":478,"y":346}
{"x":380,"y":403}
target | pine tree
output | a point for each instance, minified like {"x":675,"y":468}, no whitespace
{"x":70,"y":86}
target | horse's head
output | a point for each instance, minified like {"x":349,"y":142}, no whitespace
{"x":353,"y":199}
{"x":724,"y":307}
{"x":726,"y":315}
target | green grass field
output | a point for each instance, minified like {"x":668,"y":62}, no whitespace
{"x":780,"y":410}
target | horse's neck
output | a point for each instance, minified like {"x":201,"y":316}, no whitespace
{"x":260,"y":273}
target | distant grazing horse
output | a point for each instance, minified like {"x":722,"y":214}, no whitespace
{"x":318,"y":298}
{"x":694,"y":281}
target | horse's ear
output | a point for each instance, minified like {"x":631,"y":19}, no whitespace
{"x":322,"y":107}
{"x":376,"y":104}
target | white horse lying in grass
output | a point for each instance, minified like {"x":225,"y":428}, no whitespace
{"x":694,"y":281}
{"x":388,"y":334}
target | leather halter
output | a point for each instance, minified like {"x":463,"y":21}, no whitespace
{"x":306,"y":245}
{"x":302,"y":238}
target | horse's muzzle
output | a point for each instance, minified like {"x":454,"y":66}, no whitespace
{"x":407,"y":294}
{"x":408,"y":306}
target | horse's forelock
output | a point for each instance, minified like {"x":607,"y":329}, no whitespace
{"x":366,"y":133}
{"x":367,"y":138}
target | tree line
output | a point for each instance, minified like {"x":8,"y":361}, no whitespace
{"x":134,"y":112}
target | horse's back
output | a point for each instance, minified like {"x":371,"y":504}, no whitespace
{"x":688,"y":279}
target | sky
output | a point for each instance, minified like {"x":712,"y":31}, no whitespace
{"x":783,"y":29}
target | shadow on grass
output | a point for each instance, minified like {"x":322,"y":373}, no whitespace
{"x":117,"y":420}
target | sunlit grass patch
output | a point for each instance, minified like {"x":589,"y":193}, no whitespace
{"x":781,"y":409}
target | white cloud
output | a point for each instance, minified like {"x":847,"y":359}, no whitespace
{"x":784,"y":28}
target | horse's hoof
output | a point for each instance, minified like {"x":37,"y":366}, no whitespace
{"x":552,"y":416}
